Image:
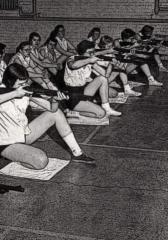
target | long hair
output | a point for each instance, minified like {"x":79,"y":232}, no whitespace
{"x":54,"y":33}
{"x":95,"y":29}
{"x":50,"y":39}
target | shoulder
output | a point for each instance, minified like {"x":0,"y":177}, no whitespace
{"x":117,"y":42}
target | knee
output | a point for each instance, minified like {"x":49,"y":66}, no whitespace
{"x":41,"y":160}
{"x":102,"y":79}
{"x":101,"y":113}
{"x":54,"y":116}
{"x":113,"y":93}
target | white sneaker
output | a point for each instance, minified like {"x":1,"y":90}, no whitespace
{"x":112,"y":112}
{"x":153,"y":82}
{"x":132,"y":93}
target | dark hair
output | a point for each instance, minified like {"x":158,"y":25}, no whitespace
{"x":32,"y":35}
{"x":50,"y":39}
{"x":127,"y":33}
{"x":105,"y":40}
{"x":95,"y":29}
{"x":2,"y":47}
{"x":84,"y":45}
{"x":146,"y":29}
{"x":22,"y":45}
{"x":13,"y":72}
{"x":54,"y":33}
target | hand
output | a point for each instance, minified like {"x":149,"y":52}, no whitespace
{"x":20,"y":92}
{"x":114,"y":61}
{"x":61,"y":96}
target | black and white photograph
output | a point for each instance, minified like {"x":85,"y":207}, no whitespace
{"x":83,"y":120}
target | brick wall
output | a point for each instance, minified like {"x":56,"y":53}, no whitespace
{"x":14,"y":31}
{"x":96,"y":8}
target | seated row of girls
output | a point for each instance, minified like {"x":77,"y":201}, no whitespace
{"x":129,"y":40}
{"x":114,"y":68}
{"x":28,"y":56}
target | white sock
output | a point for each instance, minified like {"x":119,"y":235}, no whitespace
{"x":151,"y":78}
{"x":72,"y":144}
{"x":160,"y":65}
{"x":127,"y":87}
{"x":106,"y":106}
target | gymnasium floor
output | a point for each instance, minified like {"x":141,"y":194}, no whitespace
{"x":124,"y":198}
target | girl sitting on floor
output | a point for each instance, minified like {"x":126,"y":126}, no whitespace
{"x":17,"y":135}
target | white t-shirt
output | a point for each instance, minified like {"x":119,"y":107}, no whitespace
{"x":13,"y":121}
{"x":77,"y":77}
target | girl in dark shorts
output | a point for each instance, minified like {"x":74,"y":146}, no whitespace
{"x":17,"y":135}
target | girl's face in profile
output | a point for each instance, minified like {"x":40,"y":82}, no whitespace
{"x":51,"y":45}
{"x":20,"y":83}
{"x":35,"y":42}
{"x":95,"y":35}
{"x":61,"y":33}
{"x":26,"y":51}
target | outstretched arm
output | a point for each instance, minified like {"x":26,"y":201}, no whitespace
{"x":18,"y":93}
{"x":42,"y":64}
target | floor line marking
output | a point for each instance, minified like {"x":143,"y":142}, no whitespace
{"x":129,"y":148}
{"x":91,"y":135}
{"x":48,"y":233}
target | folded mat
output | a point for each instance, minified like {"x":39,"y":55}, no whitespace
{"x":135,"y":84}
{"x":121,"y":98}
{"x":81,"y":120}
{"x":17,"y":170}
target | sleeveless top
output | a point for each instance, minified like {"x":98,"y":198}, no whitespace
{"x":77,"y":77}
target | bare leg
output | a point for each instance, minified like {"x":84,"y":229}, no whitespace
{"x":112,"y":92}
{"x":130,"y":67}
{"x":147,"y":72}
{"x":99,"y":83}
{"x":29,"y":156}
{"x":157,"y":59}
{"x":42,"y":123}
{"x":159,"y":63}
{"x":89,"y":109}
{"x":113,"y":76}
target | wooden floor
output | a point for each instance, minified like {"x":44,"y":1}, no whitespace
{"x":124,"y":198}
